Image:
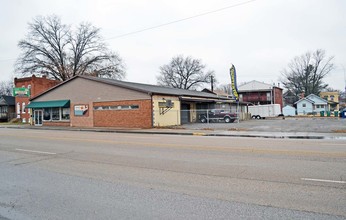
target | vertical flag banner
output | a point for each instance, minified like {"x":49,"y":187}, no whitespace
{"x":234,"y":82}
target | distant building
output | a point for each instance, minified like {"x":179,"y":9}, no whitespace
{"x":311,"y":105}
{"x":289,"y":110}
{"x":332,"y":98}
{"x":28,"y":87}
{"x":7,"y":108}
{"x":259,"y":93}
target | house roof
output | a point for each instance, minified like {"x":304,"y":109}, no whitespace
{"x":310,"y":98}
{"x":146,"y":88}
{"x":8,"y":99}
{"x":256,"y":86}
{"x":288,"y":107}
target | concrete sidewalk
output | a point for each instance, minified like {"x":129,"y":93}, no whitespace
{"x":196,"y":132}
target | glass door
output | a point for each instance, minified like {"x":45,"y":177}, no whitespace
{"x":38,"y":117}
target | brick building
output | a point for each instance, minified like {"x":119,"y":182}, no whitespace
{"x":28,"y":87}
{"x":85,"y":101}
{"x":259,"y":93}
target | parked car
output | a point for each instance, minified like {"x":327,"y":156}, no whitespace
{"x":217,"y":115}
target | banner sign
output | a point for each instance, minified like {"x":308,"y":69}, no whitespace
{"x":80,"y":110}
{"x":21,"y":92}
{"x":234,"y":82}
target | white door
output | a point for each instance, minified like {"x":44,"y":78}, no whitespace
{"x":38,"y":114}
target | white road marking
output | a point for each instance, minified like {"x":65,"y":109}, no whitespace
{"x":35,"y":151}
{"x":321,"y":180}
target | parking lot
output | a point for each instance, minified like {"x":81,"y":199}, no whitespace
{"x":288,"y":124}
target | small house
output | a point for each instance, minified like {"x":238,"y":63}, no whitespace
{"x":311,"y":105}
{"x":7,"y":108}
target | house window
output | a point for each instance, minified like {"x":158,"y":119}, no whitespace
{"x":317,"y":106}
{"x":23,"y":107}
{"x":304,"y":105}
{"x":332,"y":97}
{"x":268,"y":96}
{"x":117,"y":107}
{"x":18,"y":108}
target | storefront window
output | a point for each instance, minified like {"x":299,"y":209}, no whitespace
{"x":55,"y":114}
{"x":18,"y":108}
{"x":23,"y":107}
{"x":65,"y":114}
{"x":46,"y":114}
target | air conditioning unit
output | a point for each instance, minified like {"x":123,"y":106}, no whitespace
{"x":169,"y":103}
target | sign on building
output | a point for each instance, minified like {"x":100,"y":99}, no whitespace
{"x":24,"y":92}
{"x":80,"y":110}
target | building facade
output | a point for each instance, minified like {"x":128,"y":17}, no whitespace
{"x":86,"y":101}
{"x":311,"y":105}
{"x":28,"y":87}
{"x":7,"y":108}
{"x":258,"y":93}
{"x":332,"y":99}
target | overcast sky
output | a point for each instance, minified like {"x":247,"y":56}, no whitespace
{"x":259,"y":37}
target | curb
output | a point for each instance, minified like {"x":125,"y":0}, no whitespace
{"x":312,"y":137}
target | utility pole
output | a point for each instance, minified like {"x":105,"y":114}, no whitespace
{"x":212,"y":83}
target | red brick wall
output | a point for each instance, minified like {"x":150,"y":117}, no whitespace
{"x":38,"y":85}
{"x":86,"y":120}
{"x":56,"y":123}
{"x":135,"y":118}
{"x":255,"y":97}
{"x":278,"y":97}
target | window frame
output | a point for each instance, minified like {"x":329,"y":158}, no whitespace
{"x":60,"y":114}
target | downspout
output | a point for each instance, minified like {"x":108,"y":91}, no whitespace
{"x":152,"y":109}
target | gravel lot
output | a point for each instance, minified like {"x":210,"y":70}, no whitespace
{"x":288,"y":124}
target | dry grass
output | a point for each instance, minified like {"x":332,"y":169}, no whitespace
{"x":237,"y":129}
{"x":339,"y":131}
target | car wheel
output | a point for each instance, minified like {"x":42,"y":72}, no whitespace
{"x":203,"y":120}
{"x":253,"y":117}
{"x":227,"y":119}
{"x":258,"y":117}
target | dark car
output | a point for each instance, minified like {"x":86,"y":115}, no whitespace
{"x":217,"y":115}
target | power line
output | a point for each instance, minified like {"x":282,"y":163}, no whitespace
{"x":168,"y":23}
{"x":180,"y":20}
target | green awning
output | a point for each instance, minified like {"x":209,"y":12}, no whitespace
{"x":50,"y":104}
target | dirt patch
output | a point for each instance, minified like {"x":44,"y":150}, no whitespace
{"x":207,"y":129}
{"x":237,"y":129}
{"x":170,"y":127}
{"x":339,"y":131}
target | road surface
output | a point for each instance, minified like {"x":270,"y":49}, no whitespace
{"x":46,"y":174}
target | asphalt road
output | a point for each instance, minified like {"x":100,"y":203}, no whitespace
{"x":46,"y":174}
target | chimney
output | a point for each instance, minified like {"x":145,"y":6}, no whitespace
{"x":302,"y":95}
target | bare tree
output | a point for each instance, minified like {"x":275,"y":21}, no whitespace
{"x":306,"y":73}
{"x":184,"y":73}
{"x":6,"y":87}
{"x":226,"y":88}
{"x":56,"y":50}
